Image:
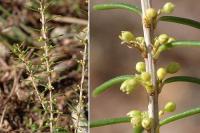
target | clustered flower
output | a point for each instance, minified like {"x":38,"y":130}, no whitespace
{"x":142,"y":119}
{"x":143,"y":77}
{"x":151,"y":14}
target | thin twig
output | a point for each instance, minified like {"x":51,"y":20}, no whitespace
{"x":80,"y":103}
{"x":46,"y":52}
{"x":2,"y":116}
{"x":150,"y":66}
{"x":64,"y":19}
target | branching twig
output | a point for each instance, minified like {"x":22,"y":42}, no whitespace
{"x":64,"y":19}
{"x":46,"y":58}
{"x":80,"y":103}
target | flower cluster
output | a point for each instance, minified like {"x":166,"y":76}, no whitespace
{"x":151,"y":14}
{"x":139,"y":119}
{"x":144,"y":77}
{"x":132,"y":41}
{"x":142,"y":119}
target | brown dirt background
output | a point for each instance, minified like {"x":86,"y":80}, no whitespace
{"x":108,"y":59}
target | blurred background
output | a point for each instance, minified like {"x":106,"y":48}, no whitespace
{"x":109,"y":59}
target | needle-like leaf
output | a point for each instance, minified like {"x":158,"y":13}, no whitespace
{"x":111,"y":121}
{"x":182,"y":115}
{"x":180,"y":20}
{"x":108,"y":84}
{"x":182,"y":79}
{"x":178,"y":43}
{"x":125,"y":6}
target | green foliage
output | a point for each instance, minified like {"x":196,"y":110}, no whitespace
{"x":105,"y":122}
{"x":131,"y":8}
{"x":108,"y":84}
{"x":181,"y":20}
{"x":163,"y":42}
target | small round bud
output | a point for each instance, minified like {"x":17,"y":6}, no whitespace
{"x":161,"y":113}
{"x":145,"y":76}
{"x":134,"y":113}
{"x":171,"y":39}
{"x":127,"y":36}
{"x":163,"y":38}
{"x":161,"y":73}
{"x":173,"y":67}
{"x":156,"y":43}
{"x":129,"y":85}
{"x":168,"y":7}
{"x":151,"y":13}
{"x":146,"y":123}
{"x":136,"y":121}
{"x":145,"y":114}
{"x":149,"y":89}
{"x":140,"y":39}
{"x":140,"y":67}
{"x":170,"y":107}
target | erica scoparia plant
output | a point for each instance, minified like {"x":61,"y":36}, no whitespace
{"x":152,"y":79}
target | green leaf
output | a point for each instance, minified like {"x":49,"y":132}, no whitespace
{"x":125,"y":6}
{"x":108,"y":84}
{"x":118,"y":80}
{"x":178,"y":43}
{"x":180,"y":116}
{"x":111,"y":121}
{"x":180,"y":20}
{"x":182,"y":79}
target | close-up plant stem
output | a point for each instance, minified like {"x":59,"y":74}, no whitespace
{"x":150,"y":67}
{"x":147,"y":74}
{"x":47,"y":62}
{"x":80,"y":105}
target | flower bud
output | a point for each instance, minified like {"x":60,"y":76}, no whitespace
{"x":163,"y":38}
{"x":168,"y":8}
{"x":127,"y":36}
{"x":145,"y":76}
{"x":171,"y":39}
{"x":161,"y":73}
{"x":129,"y":85}
{"x":140,"y":67}
{"x":173,"y":67}
{"x":146,"y":123}
{"x":134,"y":113}
{"x":161,"y":113}
{"x":170,"y":107}
{"x":145,"y":114}
{"x":149,"y":89}
{"x":140,"y":39}
{"x":151,"y":13}
{"x":136,"y":121}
